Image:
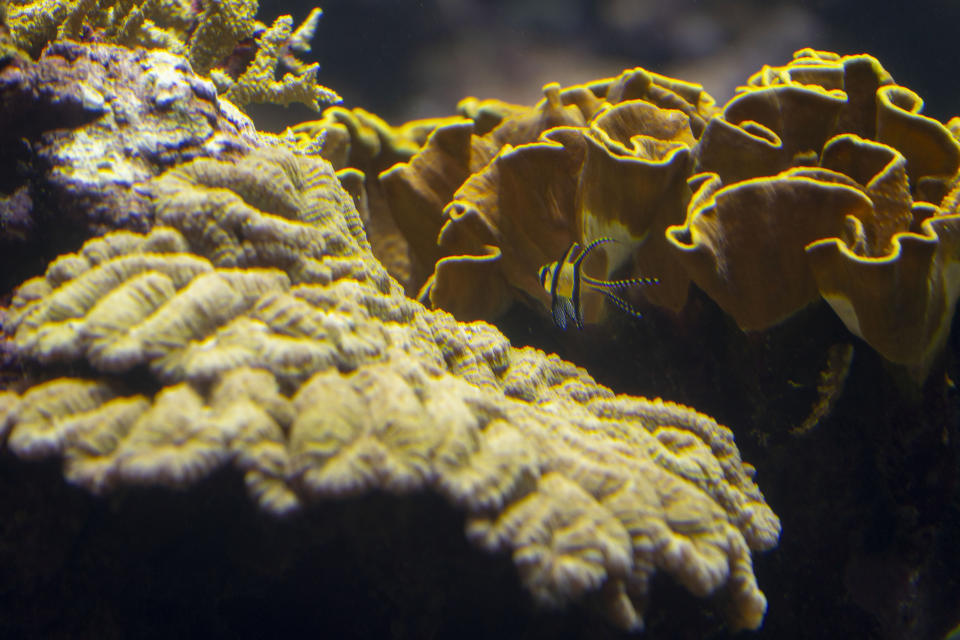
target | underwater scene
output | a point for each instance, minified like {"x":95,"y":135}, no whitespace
{"x":427,"y":319}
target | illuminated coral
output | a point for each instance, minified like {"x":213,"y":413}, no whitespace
{"x":862,"y":212}
{"x":442,"y":174}
{"x":743,"y":244}
{"x":509,"y":189}
{"x":495,"y":194}
{"x":208,"y":34}
{"x":258,"y":83}
{"x":361,"y":146}
{"x":264,"y":335}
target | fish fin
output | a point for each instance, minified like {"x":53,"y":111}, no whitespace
{"x":559,"y":315}
{"x":571,"y":255}
{"x":590,"y":247}
{"x":622,"y":304}
{"x":603,"y":285}
{"x":570,"y":311}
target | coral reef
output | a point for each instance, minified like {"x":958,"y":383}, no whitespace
{"x":575,"y":148}
{"x":246,"y":323}
{"x":851,"y":146}
{"x":469,"y":187}
{"x":187,"y":303}
{"x":141,"y":111}
{"x":721,"y":197}
{"x":258,"y":83}
{"x":360,"y":146}
{"x":824,"y":209}
{"x":215,"y":36}
{"x":276,"y":345}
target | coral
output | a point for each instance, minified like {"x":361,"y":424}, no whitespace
{"x":361,"y":146}
{"x":829,"y":389}
{"x":416,"y":190}
{"x":105,"y":119}
{"x":213,"y":35}
{"x":164,"y":24}
{"x":220,"y":27}
{"x":471,"y":187}
{"x":743,"y":244}
{"x":412,"y":176}
{"x":881,"y":179}
{"x":251,"y":326}
{"x":257,"y":83}
{"x":360,"y":140}
{"x":493,"y":195}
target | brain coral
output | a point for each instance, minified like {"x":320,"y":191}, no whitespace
{"x":251,"y":326}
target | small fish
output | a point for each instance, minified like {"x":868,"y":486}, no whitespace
{"x":564,"y":281}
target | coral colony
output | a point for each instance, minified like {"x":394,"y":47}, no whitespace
{"x":233,"y":269}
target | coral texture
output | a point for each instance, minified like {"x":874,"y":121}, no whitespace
{"x":258,"y":83}
{"x":360,"y":146}
{"x":609,"y":159}
{"x":104,"y":119}
{"x":822,"y":179}
{"x":470,"y":176}
{"x":250,"y":325}
{"x":275,"y":342}
{"x":212,"y":35}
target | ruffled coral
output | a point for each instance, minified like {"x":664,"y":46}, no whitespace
{"x":446,"y":175}
{"x":867,"y":223}
{"x":492,"y":196}
{"x":743,"y":244}
{"x":508,"y":190}
{"x":264,"y":335}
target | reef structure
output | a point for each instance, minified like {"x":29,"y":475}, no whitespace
{"x":221,"y":39}
{"x":820,"y":180}
{"x":241,"y":319}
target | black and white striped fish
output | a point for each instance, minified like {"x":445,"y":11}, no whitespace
{"x":565,"y":280}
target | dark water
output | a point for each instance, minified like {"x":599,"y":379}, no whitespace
{"x":413,"y":59}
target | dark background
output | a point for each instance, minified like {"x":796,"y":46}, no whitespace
{"x":406,"y":59}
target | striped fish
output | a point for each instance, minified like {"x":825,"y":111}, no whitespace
{"x":565,"y":280}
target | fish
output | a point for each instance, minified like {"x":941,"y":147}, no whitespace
{"x":565,"y":280}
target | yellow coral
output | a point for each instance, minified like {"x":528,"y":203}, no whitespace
{"x":207,"y":38}
{"x":270,"y":339}
{"x":509,"y":189}
{"x":492,"y":196}
{"x":851,"y":227}
{"x":743,"y":244}
{"x":257,"y":83}
{"x":361,"y":146}
{"x":165,"y":23}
